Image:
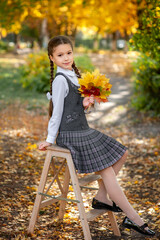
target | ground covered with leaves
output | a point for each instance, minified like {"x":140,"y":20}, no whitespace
{"x":21,"y":166}
{"x":23,"y":124}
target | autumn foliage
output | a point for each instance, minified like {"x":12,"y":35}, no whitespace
{"x":66,"y":17}
{"x":95,"y":84}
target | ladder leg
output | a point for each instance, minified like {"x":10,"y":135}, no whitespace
{"x":40,"y":189}
{"x":114,"y":223}
{"x":65,"y":192}
{"x":77,"y":191}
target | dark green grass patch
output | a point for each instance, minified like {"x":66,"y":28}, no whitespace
{"x":11,"y":89}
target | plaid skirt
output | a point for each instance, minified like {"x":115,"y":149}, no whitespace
{"x":91,"y":150}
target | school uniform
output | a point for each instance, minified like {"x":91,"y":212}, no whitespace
{"x":91,"y":150}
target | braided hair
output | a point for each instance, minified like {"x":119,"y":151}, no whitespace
{"x":76,"y":70}
{"x":53,"y":43}
{"x":51,"y":80}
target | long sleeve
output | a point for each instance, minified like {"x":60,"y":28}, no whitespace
{"x":59,"y":92}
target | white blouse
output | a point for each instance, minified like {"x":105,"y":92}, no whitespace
{"x":60,"y":90}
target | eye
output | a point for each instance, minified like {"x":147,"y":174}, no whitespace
{"x":59,"y":55}
{"x":69,"y":53}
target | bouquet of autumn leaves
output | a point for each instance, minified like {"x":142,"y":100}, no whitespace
{"x":95,"y":84}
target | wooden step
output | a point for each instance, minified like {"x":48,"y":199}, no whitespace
{"x":88,"y":179}
{"x":93,"y":213}
{"x":58,"y":149}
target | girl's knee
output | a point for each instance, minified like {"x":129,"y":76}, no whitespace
{"x":124,"y":157}
{"x":125,"y":154}
{"x":106,"y":171}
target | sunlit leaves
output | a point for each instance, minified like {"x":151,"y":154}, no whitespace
{"x":65,"y":17}
{"x":14,"y":12}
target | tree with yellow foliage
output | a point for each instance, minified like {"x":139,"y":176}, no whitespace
{"x":66,"y":16}
{"x":14,"y":12}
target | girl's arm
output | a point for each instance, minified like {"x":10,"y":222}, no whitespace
{"x":59,"y":91}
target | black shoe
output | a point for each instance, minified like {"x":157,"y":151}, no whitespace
{"x":100,"y":205}
{"x":127,"y":223}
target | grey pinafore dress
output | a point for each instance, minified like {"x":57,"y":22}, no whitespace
{"x":91,"y":150}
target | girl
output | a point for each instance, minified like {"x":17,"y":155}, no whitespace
{"x":91,"y":150}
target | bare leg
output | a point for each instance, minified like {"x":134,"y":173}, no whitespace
{"x":102,"y":193}
{"x":118,"y":165}
{"x":117,"y":195}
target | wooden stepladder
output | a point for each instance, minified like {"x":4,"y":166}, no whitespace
{"x":70,"y":173}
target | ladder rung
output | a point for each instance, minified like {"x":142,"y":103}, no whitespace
{"x":91,"y":188}
{"x":93,"y":213}
{"x":88,"y":179}
{"x":59,"y":198}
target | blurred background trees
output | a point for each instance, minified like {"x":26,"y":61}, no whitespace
{"x":103,"y":24}
{"x":39,"y":20}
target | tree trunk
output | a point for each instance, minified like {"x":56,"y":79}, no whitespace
{"x":95,"y":41}
{"x":16,"y":42}
{"x":114,"y":41}
{"x":140,"y":12}
{"x":44,"y":34}
{"x":126,"y":37}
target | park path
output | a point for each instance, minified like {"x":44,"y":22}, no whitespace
{"x":116,"y":66}
{"x":118,"y":112}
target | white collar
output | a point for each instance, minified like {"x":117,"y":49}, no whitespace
{"x":66,"y":71}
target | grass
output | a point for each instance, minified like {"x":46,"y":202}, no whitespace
{"x":12,"y":91}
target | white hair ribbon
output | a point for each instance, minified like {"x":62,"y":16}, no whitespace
{"x":49,"y":96}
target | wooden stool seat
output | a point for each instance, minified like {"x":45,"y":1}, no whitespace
{"x":65,"y":159}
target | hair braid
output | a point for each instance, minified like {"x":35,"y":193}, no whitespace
{"x":52,"y":73}
{"x":51,"y":80}
{"x":76,"y":70}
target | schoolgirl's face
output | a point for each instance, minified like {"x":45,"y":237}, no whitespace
{"x":63,"y":56}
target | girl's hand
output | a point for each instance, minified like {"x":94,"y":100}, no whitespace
{"x":88,"y":101}
{"x":42,"y":145}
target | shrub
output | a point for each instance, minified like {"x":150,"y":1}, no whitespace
{"x":147,"y":75}
{"x":36,"y":72}
{"x":84,"y":63}
{"x":4,"y":47}
{"x":147,"y":84}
